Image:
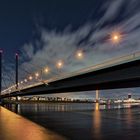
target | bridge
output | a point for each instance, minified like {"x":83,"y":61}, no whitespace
{"x":120,"y":72}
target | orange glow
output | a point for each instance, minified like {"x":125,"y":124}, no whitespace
{"x":79,"y":54}
{"x":46,"y":70}
{"x":115,"y":37}
{"x":36,"y":75}
{"x":17,"y":131}
{"x":59,"y":64}
{"x":30,"y":77}
{"x":97,"y":122}
{"x":96,"y":106}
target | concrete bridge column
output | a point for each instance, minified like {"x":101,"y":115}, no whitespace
{"x":97,"y":95}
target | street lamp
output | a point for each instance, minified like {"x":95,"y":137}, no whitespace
{"x":30,"y":77}
{"x":79,"y":54}
{"x":115,"y":37}
{"x":59,"y":64}
{"x":46,"y":70}
{"x":37,"y":75}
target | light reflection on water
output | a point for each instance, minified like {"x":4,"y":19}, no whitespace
{"x":97,"y":122}
{"x":84,"y":120}
{"x":62,"y":107}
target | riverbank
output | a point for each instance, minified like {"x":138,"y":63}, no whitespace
{"x":83,"y":121}
{"x":16,"y":127}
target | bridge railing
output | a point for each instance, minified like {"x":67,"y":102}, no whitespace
{"x":108,"y":63}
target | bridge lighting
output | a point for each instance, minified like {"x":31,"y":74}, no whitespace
{"x":46,"y":70}
{"x":59,"y":64}
{"x":79,"y":54}
{"x":30,"y":77}
{"x":115,"y":37}
{"x":36,"y":75}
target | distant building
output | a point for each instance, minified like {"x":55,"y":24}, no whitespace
{"x":41,"y":98}
{"x":118,"y":101}
{"x":34,"y":98}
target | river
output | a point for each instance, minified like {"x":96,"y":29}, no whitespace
{"x":84,"y":121}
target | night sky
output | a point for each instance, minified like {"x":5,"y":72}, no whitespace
{"x":44,"y":31}
{"x":20,"y":19}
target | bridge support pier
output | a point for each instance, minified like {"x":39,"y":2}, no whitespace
{"x":97,"y":96}
{"x":97,"y":100}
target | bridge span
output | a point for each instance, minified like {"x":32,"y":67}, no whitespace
{"x":122,"y":72}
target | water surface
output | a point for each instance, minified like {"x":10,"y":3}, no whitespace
{"x":83,"y":121}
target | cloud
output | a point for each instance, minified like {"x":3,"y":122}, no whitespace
{"x":112,"y":8}
{"x":92,"y":39}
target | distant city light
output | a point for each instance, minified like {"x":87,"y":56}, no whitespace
{"x":25,"y":80}
{"x":60,"y":64}
{"x":21,"y":82}
{"x":10,"y":90}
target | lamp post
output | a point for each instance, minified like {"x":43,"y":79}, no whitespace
{"x":16,"y":78}
{"x":16,"y":70}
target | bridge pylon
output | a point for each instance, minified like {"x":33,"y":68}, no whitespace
{"x":16,"y":73}
{"x":0,"y":73}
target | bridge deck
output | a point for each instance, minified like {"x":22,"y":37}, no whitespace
{"x":108,"y":63}
{"x":15,"y":127}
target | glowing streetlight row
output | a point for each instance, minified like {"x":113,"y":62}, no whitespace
{"x":115,"y":38}
{"x":59,"y":65}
